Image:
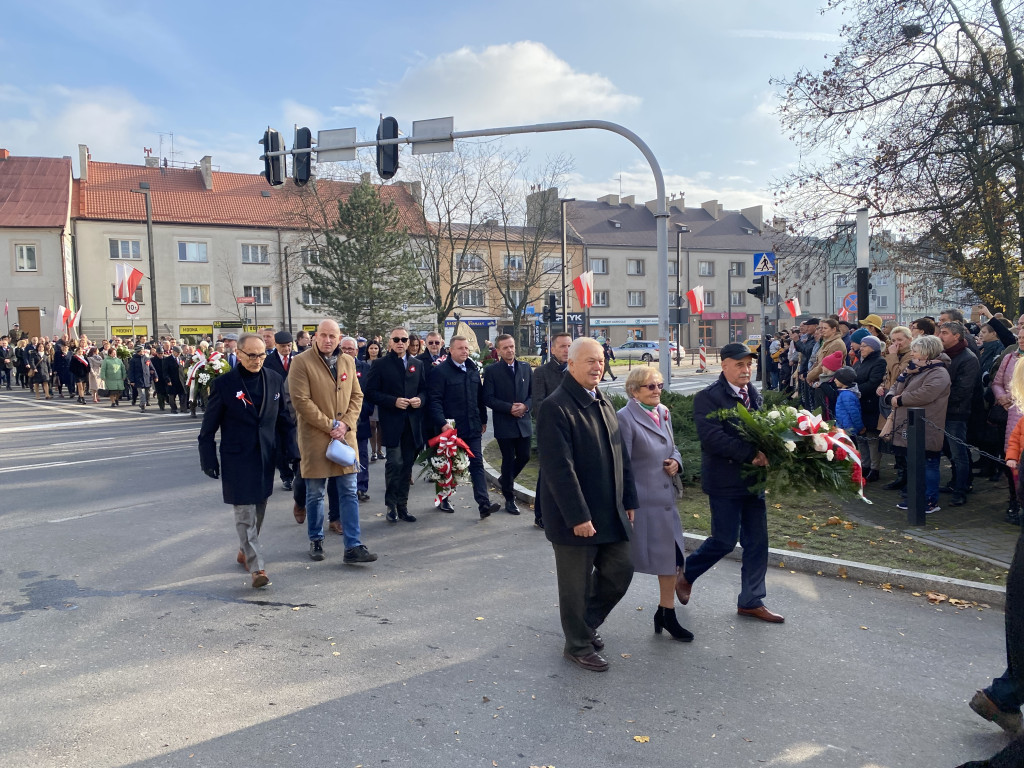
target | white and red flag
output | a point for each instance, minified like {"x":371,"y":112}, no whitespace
{"x":128,"y":279}
{"x":584,"y":285}
{"x":793,"y":305}
{"x":696,"y":298}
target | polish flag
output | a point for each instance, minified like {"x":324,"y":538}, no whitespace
{"x":696,"y":298}
{"x":73,"y":322}
{"x":584,"y":285}
{"x":128,"y":279}
{"x":844,"y":313}
{"x":793,"y":305}
{"x":64,"y":313}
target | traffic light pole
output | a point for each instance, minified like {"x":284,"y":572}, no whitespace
{"x":441,"y":138}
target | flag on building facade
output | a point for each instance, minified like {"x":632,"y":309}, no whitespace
{"x":128,"y":279}
{"x":793,"y":305}
{"x":696,"y":298}
{"x":584,"y":285}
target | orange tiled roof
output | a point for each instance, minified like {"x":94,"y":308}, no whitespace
{"x":237,"y":199}
{"x":34,"y":191}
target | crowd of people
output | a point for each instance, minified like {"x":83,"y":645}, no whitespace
{"x":961,"y":373}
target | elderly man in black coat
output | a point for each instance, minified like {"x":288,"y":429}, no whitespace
{"x":736,"y":513}
{"x":397,"y":385}
{"x":454,"y":391}
{"x":507,"y":392}
{"x":587,"y":498}
{"x":247,"y":405}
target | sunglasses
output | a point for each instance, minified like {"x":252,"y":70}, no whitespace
{"x":400,"y":339}
{"x":655,"y":387}
{"x":258,"y":355}
{"x":433,"y":343}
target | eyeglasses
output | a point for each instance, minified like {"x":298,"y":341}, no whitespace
{"x":433,"y":343}
{"x":400,"y":339}
{"x":258,"y":355}
{"x":655,"y":387}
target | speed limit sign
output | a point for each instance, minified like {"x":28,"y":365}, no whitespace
{"x":131,"y":307}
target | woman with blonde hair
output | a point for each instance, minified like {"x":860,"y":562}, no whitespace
{"x":657,"y":540}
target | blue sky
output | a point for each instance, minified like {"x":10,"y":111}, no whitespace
{"x":692,"y":79}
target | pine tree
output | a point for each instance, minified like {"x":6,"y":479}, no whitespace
{"x":366,"y":273}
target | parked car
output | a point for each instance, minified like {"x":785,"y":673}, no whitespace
{"x":753,"y":342}
{"x":642,"y":351}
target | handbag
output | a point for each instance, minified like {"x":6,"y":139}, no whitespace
{"x":890,"y":423}
{"x":341,"y":452}
{"x":997,"y":416}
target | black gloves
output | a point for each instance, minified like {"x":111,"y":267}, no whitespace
{"x":212,"y":472}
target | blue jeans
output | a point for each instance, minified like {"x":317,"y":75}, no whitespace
{"x":959,"y":456}
{"x":346,"y":485}
{"x":742,"y":519}
{"x":363,"y":483}
{"x":931,"y":479}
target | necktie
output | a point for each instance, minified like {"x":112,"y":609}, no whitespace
{"x":744,"y":396}
{"x":284,"y":362}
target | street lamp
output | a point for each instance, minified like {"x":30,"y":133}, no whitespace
{"x":565,"y":296}
{"x":145,"y":191}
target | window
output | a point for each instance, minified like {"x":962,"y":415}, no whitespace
{"x":310,"y":298}
{"x":255,"y":254}
{"x":599,"y":266}
{"x":260,"y":292}
{"x":125,"y":249}
{"x":634,"y":267}
{"x":514,"y":262}
{"x":770,"y":300}
{"x":842,"y":281}
{"x":807,"y":298}
{"x":635,"y":298}
{"x":736,"y":298}
{"x":553,"y":264}
{"x":308,"y":256}
{"x":673,"y":299}
{"x":737,"y":268}
{"x":470,"y":262}
{"x":600,"y":298}
{"x":25,"y":256}
{"x":195,"y":294}
{"x":879,"y":301}
{"x":672,"y":268}
{"x":113,"y":294}
{"x":472,"y":298}
{"x":709,"y":298}
{"x":881,"y":280}
{"x":706,"y":268}
{"x":514,"y":299}
{"x":191,"y":251}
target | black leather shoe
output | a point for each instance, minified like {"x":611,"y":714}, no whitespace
{"x":403,"y":514}
{"x":511,"y":507}
{"x":445,"y":506}
{"x":287,"y":485}
{"x":592,"y":662}
{"x":485,"y":511}
{"x":359,"y":554}
{"x":539,"y":523}
{"x":392,"y":515}
{"x":316,"y":550}
{"x":363,"y":496}
{"x":958,"y":500}
{"x":896,"y":485}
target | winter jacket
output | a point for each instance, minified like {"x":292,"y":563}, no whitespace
{"x":927,"y":387}
{"x":724,"y":452}
{"x":835,"y":344}
{"x":965,"y":384}
{"x":870,"y":373}
{"x":848,"y":414}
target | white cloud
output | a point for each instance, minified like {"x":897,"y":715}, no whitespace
{"x":509,"y":84}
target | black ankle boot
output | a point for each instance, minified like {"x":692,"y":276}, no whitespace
{"x":898,"y":484}
{"x":665,"y":618}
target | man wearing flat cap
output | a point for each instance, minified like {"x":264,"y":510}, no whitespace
{"x":231,"y":348}
{"x":736,"y":513}
{"x":280,"y":361}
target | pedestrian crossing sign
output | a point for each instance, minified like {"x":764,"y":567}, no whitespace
{"x":764,"y":264}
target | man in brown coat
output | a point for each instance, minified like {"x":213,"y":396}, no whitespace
{"x":326,"y":396}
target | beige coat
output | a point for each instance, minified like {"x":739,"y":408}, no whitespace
{"x":318,"y":401}
{"x":835,"y":344}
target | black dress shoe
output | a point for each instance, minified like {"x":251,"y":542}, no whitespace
{"x":392,"y":515}
{"x":403,"y":514}
{"x":592,"y":662}
{"x":597,"y":640}
{"x":445,"y":506}
{"x":511,"y":507}
{"x":287,"y":485}
{"x":539,"y":523}
{"x":896,"y":485}
{"x":487,"y":509}
{"x":363,"y":496}
{"x":316,"y":550}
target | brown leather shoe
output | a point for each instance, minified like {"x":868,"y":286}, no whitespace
{"x":761,"y":613}
{"x":335,"y":527}
{"x":300,"y":513}
{"x":241,"y":559}
{"x":683,"y":587}
{"x":260,"y":579}
{"x":592,"y":662}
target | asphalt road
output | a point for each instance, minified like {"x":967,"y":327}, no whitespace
{"x":130,"y":637}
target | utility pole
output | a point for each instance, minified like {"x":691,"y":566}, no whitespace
{"x":145,"y":191}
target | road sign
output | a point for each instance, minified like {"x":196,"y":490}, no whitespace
{"x":850,"y":302}
{"x":764,"y":264}
{"x":531,"y":310}
{"x":131,"y":307}
{"x":245,"y":300}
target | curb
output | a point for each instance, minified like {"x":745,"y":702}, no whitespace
{"x":987,"y":594}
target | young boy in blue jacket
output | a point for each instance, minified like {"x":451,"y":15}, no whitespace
{"x":848,"y":415}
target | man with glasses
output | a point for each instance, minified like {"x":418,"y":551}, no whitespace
{"x":398,"y":386}
{"x":435,"y":346}
{"x":327,"y":399}
{"x":247,"y":405}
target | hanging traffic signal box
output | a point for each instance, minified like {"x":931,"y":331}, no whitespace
{"x":387,"y":155}
{"x":302,"y":164}
{"x":273,"y":167}
{"x":759,"y":291}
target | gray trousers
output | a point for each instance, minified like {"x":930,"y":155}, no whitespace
{"x":591,"y":581}
{"x":248,"y":521}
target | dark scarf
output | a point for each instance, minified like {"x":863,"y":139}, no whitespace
{"x":957,"y":348}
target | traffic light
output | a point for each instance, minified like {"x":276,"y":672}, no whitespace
{"x":302,"y":163}
{"x":941,"y":285}
{"x":760,"y":290}
{"x":551,"y":310}
{"x":273,"y":166}
{"x":387,"y":155}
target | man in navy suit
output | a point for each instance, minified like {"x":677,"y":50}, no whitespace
{"x":507,"y":391}
{"x":247,"y":405}
{"x":279,"y":361}
{"x":397,"y":384}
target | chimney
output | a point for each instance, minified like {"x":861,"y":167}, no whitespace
{"x":152,"y":162}
{"x":629,"y":200}
{"x":754,"y":215}
{"x":712,"y":207}
{"x":415,"y":190}
{"x":206,"y":171}
{"x":83,"y":162}
{"x":4,"y":154}
{"x":652,"y":205}
{"x":610,"y":199}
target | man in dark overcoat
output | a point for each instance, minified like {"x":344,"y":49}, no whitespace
{"x":507,"y":392}
{"x":168,"y":385}
{"x":279,"y":360}
{"x":142,"y":375}
{"x":736,"y":513}
{"x":397,"y":385}
{"x":454,"y":391}
{"x":587,"y":497}
{"x":546,"y":379}
{"x":247,"y":405}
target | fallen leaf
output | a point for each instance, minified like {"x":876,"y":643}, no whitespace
{"x":848,"y":526}
{"x":336,"y":653}
{"x":641,"y":739}
{"x":697,"y":516}
{"x":295,"y":608}
{"x":834,"y":520}
{"x":916,"y":594}
{"x":486,"y":699}
{"x":794,"y":544}
{"x":937,"y":597}
{"x":782,"y":565}
{"x":626,"y":655}
{"x":863,"y":627}
{"x":479,"y":618}
{"x":887,"y":587}
{"x":814,"y":527}
{"x":842,"y":572}
{"x":494,"y":763}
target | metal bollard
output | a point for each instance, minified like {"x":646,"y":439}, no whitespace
{"x":915,"y":466}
